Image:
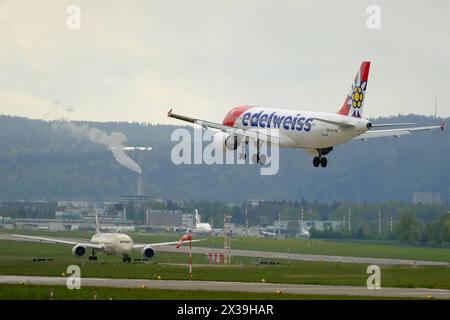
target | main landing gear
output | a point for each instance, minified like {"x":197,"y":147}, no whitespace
{"x":93,"y":257}
{"x":126,"y":258}
{"x":322,"y":161}
{"x":259,"y":158}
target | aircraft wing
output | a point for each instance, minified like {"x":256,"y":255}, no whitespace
{"x":271,"y":135}
{"x":85,"y":243}
{"x":142,"y":245}
{"x":394,"y":132}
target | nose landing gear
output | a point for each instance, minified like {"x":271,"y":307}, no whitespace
{"x":93,"y":257}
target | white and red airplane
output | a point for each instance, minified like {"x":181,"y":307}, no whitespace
{"x":317,"y":132}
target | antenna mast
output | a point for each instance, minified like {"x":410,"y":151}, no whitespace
{"x":435,"y":105}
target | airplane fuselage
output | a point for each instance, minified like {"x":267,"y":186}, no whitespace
{"x":296,"y":128}
{"x":114,"y":243}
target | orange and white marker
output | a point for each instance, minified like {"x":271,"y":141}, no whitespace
{"x":186,"y":237}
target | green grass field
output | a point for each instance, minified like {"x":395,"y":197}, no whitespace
{"x":375,"y":249}
{"x":16,"y":259}
{"x":27,"y":292}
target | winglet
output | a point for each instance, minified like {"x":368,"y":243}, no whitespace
{"x":169,"y":114}
{"x":442,"y":126}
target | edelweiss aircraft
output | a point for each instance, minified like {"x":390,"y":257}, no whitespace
{"x":108,"y":243}
{"x":316,"y":132}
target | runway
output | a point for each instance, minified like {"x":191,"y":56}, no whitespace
{"x":235,"y":287}
{"x":309,"y":257}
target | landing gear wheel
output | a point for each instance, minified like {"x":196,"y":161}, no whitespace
{"x":323,"y":162}
{"x":259,"y":159}
{"x":316,"y":162}
{"x":93,"y":256}
{"x":254,"y":159}
{"x":126,"y":259}
{"x":262,"y":159}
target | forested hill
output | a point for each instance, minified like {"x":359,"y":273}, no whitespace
{"x":39,"y":161}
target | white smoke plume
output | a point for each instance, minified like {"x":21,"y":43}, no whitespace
{"x":114,"y":142}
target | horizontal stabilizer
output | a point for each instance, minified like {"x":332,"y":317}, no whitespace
{"x":386,"y":125}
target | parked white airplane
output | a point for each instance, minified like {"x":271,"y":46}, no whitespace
{"x":108,"y":243}
{"x":316,"y":132}
{"x":305,"y":234}
{"x":200,"y":227}
{"x":268,"y":233}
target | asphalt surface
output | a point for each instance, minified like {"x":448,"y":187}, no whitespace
{"x":235,"y":287}
{"x":280,"y":255}
{"x":308,"y":257}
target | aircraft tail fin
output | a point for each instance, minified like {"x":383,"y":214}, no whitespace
{"x":354,"y":101}
{"x":97,"y":226}
{"x":197,"y":217}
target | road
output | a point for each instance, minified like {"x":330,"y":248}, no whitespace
{"x":235,"y":287}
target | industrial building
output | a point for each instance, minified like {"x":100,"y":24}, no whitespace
{"x":168,"y":218}
{"x":86,"y":223}
{"x":320,"y":225}
{"x":426,"y":198}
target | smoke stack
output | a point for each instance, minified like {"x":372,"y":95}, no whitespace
{"x":140,"y":185}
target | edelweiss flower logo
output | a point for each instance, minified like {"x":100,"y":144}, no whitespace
{"x":356,"y":96}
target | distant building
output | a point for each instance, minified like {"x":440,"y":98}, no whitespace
{"x":73,"y":204}
{"x":78,"y":209}
{"x":163,"y":218}
{"x":121,"y":211}
{"x":71,"y":209}
{"x":140,"y":200}
{"x":7,"y":222}
{"x":426,"y":198}
{"x":256,"y":202}
{"x":85,"y":223}
{"x":320,"y":225}
{"x":187,"y":220}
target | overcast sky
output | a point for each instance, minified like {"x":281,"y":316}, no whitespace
{"x":133,"y":60}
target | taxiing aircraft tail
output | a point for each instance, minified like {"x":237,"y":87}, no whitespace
{"x":97,"y":226}
{"x":354,"y":102}
{"x":197,"y":217}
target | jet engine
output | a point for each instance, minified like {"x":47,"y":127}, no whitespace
{"x":79,"y":251}
{"x":226,"y":141}
{"x":148,"y":252}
